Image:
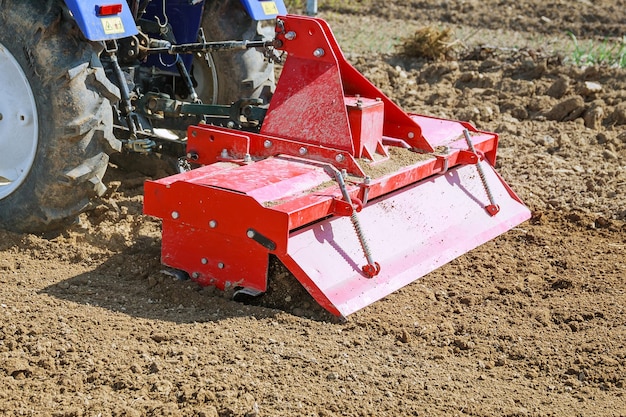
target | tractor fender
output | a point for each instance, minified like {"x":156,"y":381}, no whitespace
{"x":103,"y":20}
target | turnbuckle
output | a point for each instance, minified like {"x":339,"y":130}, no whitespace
{"x":372,"y":268}
{"x":492,"y":208}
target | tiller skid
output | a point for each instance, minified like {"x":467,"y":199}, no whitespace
{"x":354,"y":196}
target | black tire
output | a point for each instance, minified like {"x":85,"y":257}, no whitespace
{"x":72,"y":97}
{"x":240,"y":74}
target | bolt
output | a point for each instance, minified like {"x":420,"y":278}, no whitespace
{"x":230,"y":125}
{"x":411,"y":135}
{"x":220,"y":265}
{"x":212,"y":224}
{"x":204,"y":261}
{"x":291,"y":35}
{"x":303,"y":151}
{"x":359,"y":102}
{"x":339,"y":158}
{"x":175,"y":215}
{"x":194,"y":133}
{"x":250,"y":234}
{"x":193,"y":156}
{"x":318,"y":53}
{"x":195,"y":275}
{"x":267,"y":144}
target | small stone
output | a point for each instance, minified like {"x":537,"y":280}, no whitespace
{"x":159,"y":337}
{"x":559,"y":88}
{"x":17,"y":368}
{"x":618,"y":117}
{"x":7,"y":265}
{"x":468,"y":301}
{"x":152,"y":281}
{"x":547,"y":141}
{"x":589,"y":88}
{"x":464,"y":343}
{"x":593,"y":117}
{"x":207,"y":411}
{"x":404,"y":337}
{"x":602,"y":223}
{"x":608,"y":155}
{"x":567,"y":109}
{"x":154,"y":368}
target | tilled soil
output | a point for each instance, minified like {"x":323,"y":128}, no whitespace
{"x":531,"y":323}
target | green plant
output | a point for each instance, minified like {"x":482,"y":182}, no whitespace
{"x":608,"y":52}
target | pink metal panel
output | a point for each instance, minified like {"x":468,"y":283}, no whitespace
{"x":411,"y":233}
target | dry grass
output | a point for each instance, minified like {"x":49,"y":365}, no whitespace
{"x":430,"y":43}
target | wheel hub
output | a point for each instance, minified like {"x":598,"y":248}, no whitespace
{"x":19,"y":127}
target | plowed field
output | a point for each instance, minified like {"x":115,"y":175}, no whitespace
{"x":530,"y":324}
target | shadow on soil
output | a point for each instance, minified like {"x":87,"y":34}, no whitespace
{"x":134,"y":282}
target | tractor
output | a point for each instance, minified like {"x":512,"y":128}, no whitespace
{"x":83,"y":79}
{"x":320,"y":171}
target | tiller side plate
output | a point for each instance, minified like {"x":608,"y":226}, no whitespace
{"x":354,"y":196}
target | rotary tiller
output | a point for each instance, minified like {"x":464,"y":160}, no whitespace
{"x":354,"y":196}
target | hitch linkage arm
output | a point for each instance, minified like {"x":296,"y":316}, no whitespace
{"x":243,"y":114}
{"x":164,"y":47}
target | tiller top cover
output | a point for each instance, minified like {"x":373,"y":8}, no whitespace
{"x":354,"y":196}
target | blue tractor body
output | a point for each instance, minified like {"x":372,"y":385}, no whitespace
{"x":102,"y":20}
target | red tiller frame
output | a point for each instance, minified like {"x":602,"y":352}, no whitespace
{"x":425,"y":202}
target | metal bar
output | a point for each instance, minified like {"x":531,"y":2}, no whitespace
{"x":492,"y":208}
{"x":311,"y":7}
{"x":192,"y":48}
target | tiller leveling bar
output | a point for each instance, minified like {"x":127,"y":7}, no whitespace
{"x":354,"y":196}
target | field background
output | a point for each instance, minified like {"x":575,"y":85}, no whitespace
{"x":530,"y":324}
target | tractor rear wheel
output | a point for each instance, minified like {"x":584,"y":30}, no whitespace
{"x":230,"y":75}
{"x":55,"y":118}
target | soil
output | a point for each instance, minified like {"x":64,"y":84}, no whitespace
{"x":529,"y":324}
